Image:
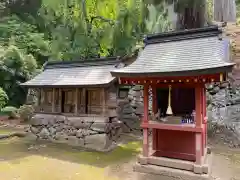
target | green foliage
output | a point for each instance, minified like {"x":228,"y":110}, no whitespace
{"x":210,"y":9}
{"x":10,"y":111}
{"x":15,"y":67}
{"x":3,"y":98}
{"x":23,"y":35}
{"x":157,"y":21}
{"x":26,"y":112}
{"x":238,"y":11}
{"x":94,"y":28}
{"x":33,"y":32}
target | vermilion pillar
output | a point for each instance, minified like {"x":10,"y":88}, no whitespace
{"x":145,"y":120}
{"x":202,"y":122}
{"x":154,"y":109}
{"x":204,"y":105}
{"x":198,"y":121}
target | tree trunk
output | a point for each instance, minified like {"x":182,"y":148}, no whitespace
{"x":192,"y":15}
{"x":185,"y":14}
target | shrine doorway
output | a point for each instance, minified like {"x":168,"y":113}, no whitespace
{"x":182,"y":100}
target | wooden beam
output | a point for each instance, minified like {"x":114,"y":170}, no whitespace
{"x":145,"y":120}
{"x":198,"y":106}
{"x":145,"y":102}
{"x":53,"y":100}
{"x":198,"y":122}
{"x":170,"y":127}
{"x":42,"y":95}
{"x":76,"y":100}
{"x":154,"y":111}
{"x":179,"y":81}
{"x":84,"y":100}
{"x":39,"y":97}
{"x":204,"y":107}
{"x":60,"y":100}
{"x":198,"y":152}
{"x":145,"y":142}
{"x":103,"y":102}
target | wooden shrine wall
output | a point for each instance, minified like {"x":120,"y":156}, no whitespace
{"x":89,"y":100}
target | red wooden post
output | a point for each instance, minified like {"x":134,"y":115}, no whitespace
{"x":204,"y":104}
{"x":198,"y":136}
{"x":198,"y":119}
{"x":202,"y":121}
{"x":154,"y":109}
{"x":145,"y":120}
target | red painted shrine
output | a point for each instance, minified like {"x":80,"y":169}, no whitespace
{"x":176,"y":66}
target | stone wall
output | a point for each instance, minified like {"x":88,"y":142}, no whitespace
{"x":224,"y":113}
{"x":96,"y":133}
{"x":130,"y":110}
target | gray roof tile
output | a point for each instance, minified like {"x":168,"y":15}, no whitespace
{"x":74,"y":76}
{"x":178,"y":56}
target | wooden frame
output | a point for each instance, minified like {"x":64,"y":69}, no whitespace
{"x":174,"y":81}
{"x":74,"y":101}
{"x":48,"y":96}
{"x":191,"y":139}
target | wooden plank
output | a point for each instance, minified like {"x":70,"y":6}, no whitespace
{"x":154,"y":109}
{"x":60,"y":100}
{"x":103,"y":102}
{"x":42,"y":95}
{"x":83,"y":100}
{"x":53,"y":99}
{"x":145,"y":120}
{"x":146,"y":101}
{"x":76,"y":100}
{"x":145,"y":143}
{"x":171,"y":127}
{"x":39,"y":97}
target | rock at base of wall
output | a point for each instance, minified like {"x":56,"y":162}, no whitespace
{"x":98,"y":135}
{"x":224,"y":123}
{"x":130,"y":110}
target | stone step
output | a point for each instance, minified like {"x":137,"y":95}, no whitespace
{"x":169,"y":173}
{"x":172,"y":163}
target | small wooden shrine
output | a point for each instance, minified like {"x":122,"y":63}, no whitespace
{"x":77,"y":88}
{"x":175,"y":66}
{"x":77,"y":102}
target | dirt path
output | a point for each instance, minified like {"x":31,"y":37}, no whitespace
{"x":226,"y":163}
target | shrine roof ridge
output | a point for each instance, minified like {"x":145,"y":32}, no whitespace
{"x":186,"y":34}
{"x":102,"y":61}
{"x":90,"y":72}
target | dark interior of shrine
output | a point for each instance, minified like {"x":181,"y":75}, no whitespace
{"x":182,"y":101}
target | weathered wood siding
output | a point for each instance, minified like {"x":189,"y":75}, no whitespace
{"x":111,"y":101}
{"x":96,"y":99}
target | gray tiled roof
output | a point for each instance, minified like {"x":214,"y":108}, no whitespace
{"x":173,"y":57}
{"x":73,"y":76}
